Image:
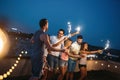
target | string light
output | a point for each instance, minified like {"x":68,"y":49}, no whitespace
{"x":96,"y":62}
{"x":20,"y":55}
{"x":1,"y":77}
{"x":26,"y":52}
{"x":115,"y":66}
{"x":91,"y":58}
{"x":13,"y":67}
{"x":102,"y":64}
{"x":10,"y":70}
{"x":5,"y":75}
{"x":17,"y":61}
{"x":18,"y":58}
{"x":22,"y":52}
{"x":108,"y":65}
{"x":8,"y":73}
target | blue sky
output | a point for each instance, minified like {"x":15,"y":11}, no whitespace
{"x":99,"y":19}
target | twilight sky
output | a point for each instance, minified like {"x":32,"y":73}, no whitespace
{"x":99,"y":19}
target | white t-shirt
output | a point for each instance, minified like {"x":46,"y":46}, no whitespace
{"x":54,"y":40}
{"x":75,"y":47}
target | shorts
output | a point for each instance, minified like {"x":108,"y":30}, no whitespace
{"x":53,"y":61}
{"x":63,"y":63}
{"x":82,"y":65}
{"x":71,"y":65}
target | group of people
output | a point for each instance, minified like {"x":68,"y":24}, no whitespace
{"x":60,"y":52}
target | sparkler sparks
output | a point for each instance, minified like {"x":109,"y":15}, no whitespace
{"x":69,"y":27}
{"x":107,"y":44}
{"x":78,"y":29}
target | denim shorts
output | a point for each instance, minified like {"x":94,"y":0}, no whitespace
{"x":63,"y":63}
{"x":71,"y":65}
{"x":53,"y":61}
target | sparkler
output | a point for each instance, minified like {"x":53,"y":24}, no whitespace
{"x":78,"y":29}
{"x":69,"y":29}
{"x":107,"y":44}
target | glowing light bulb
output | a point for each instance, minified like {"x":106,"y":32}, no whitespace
{"x":1,"y":77}
{"x":4,"y":75}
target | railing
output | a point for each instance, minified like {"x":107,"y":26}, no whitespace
{"x":103,"y":65}
{"x":23,"y":68}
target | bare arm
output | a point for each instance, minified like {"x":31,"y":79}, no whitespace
{"x":45,"y":39}
{"x":54,"y":45}
{"x":58,"y":43}
{"x":71,"y":54}
{"x":75,"y":56}
{"x":90,"y":52}
{"x":75,"y":33}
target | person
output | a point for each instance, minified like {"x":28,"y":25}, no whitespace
{"x":74,"y":49}
{"x":39,"y":39}
{"x":64,"y":59}
{"x":83,"y":61}
{"x":53,"y":57}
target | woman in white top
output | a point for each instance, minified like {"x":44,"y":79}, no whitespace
{"x":83,"y":61}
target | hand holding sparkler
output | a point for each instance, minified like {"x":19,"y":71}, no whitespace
{"x":99,"y":51}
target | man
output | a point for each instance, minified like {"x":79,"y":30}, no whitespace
{"x":39,"y":39}
{"x":74,"y":49}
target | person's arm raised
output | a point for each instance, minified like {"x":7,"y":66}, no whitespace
{"x":90,"y":52}
{"x":45,"y":39}
{"x":58,"y":43}
{"x":75,"y":33}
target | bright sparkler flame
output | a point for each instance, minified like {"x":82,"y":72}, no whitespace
{"x":78,"y":29}
{"x":4,"y":43}
{"x":107,"y":44}
{"x":69,"y":27}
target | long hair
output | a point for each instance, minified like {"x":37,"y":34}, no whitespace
{"x":83,"y":46}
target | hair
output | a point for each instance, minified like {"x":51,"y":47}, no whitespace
{"x":43,"y":22}
{"x":62,"y":30}
{"x":79,"y":37}
{"x":66,"y":41}
{"x":83,"y":45}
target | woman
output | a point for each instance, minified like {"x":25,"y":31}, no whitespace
{"x":83,"y":61}
{"x":64,"y":59}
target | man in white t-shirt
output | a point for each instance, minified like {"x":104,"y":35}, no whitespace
{"x":74,"y":49}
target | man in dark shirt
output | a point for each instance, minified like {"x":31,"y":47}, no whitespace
{"x":38,"y":40}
